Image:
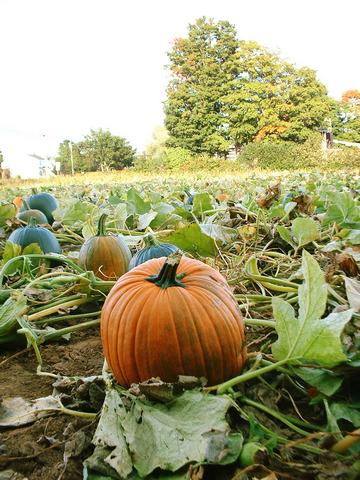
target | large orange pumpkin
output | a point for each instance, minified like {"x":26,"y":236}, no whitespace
{"x":107,"y":256}
{"x":170,"y":317}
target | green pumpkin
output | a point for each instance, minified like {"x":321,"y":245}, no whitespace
{"x":24,"y":236}
{"x":45,"y":202}
{"x":29,"y":213}
{"x":153,"y":249}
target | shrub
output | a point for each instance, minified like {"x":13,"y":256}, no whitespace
{"x":267,"y":155}
{"x":178,"y":159}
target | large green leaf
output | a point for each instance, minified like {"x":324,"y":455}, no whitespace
{"x":346,"y":411}
{"x":75,"y":212}
{"x":219,"y":232}
{"x":304,"y":230}
{"x":285,"y":234}
{"x":191,"y":239}
{"x":12,"y":250}
{"x":309,"y":336}
{"x":7,"y":211}
{"x":13,"y":308}
{"x":135,"y":203}
{"x":145,"y":219}
{"x":342,"y":208}
{"x":139,"y":436}
{"x":201,"y":203}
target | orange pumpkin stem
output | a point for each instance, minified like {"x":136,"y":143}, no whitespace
{"x":167,"y":276}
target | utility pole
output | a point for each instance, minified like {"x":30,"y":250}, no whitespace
{"x":71,"y":157}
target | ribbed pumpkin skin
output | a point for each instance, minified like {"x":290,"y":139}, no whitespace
{"x":148,"y":331}
{"x":107,"y":256}
{"x":39,"y":216}
{"x":45,"y":202}
{"x":47,"y":241}
{"x":155,"y":251}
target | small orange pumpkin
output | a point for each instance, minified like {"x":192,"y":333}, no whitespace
{"x":18,"y":201}
{"x":170,"y":317}
{"x":107,"y":256}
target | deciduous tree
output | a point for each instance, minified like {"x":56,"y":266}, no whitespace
{"x":99,"y":150}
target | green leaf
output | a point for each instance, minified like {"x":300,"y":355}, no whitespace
{"x":289,"y":207}
{"x":136,"y":204}
{"x":7,"y":212}
{"x":145,"y":220}
{"x":13,"y":308}
{"x":353,"y":237}
{"x":114,"y":200}
{"x":304,"y":230}
{"x":11,"y":250}
{"x":201,"y":203}
{"x":88,"y":230}
{"x":218,"y":232}
{"x":149,"y":436}
{"x":120,"y":215}
{"x":326,"y":381}
{"x":75,"y":213}
{"x":191,"y":239}
{"x":347,"y":412}
{"x":163,"y":208}
{"x":32,"y":248}
{"x":309,"y":336}
{"x":285,"y":235}
{"x":342,"y":208}
{"x":164,"y":220}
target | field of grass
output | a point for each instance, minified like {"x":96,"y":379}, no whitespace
{"x":288,"y":245}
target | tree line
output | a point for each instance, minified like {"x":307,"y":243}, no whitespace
{"x":226,"y":93}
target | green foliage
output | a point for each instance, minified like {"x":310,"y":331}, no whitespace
{"x":194,"y":420}
{"x":281,"y":155}
{"x":272,"y":99}
{"x":99,"y":150}
{"x":178,"y":159}
{"x":202,"y":65}
{"x":267,"y":155}
{"x":7,"y":212}
{"x":346,"y":117}
{"x":309,"y":336}
{"x":224,"y":92}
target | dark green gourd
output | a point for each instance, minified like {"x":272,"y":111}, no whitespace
{"x":45,"y":202}
{"x":24,"y":236}
{"x":153,"y":249}
{"x":29,"y":213}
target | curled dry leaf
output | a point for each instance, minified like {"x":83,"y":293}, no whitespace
{"x":271,"y":194}
{"x":347,"y":264}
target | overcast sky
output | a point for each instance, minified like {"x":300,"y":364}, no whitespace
{"x":68,"y":66}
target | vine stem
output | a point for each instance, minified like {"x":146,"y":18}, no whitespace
{"x":348,"y":441}
{"x":58,"y":258}
{"x":56,"y":308}
{"x":223,"y":387}
{"x":258,"y":322}
{"x":274,"y":414}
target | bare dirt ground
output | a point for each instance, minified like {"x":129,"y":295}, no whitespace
{"x":36,"y":451}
